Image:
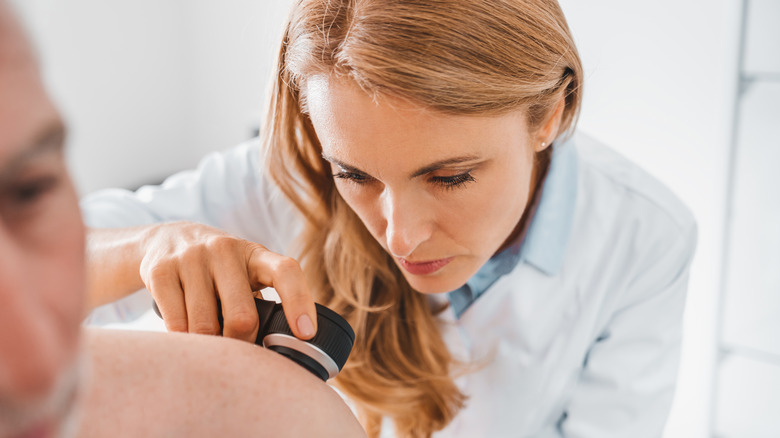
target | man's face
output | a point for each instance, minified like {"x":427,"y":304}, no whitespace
{"x":42,"y":271}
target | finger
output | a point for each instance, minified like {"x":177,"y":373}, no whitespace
{"x":167,"y":293}
{"x":286,"y":276}
{"x":238,"y":303}
{"x":200,"y":299}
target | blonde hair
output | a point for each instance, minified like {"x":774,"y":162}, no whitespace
{"x":453,"y":56}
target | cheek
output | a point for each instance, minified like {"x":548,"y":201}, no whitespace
{"x":43,"y":286}
{"x":59,"y":237}
{"x":365,"y":204}
{"x":482,"y":219}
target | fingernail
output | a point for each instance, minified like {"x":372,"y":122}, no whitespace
{"x":305,"y":327}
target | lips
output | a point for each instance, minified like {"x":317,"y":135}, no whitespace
{"x":424,"y":268}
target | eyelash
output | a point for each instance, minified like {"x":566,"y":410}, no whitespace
{"x":455,"y":181}
{"x":351,"y":176}
{"x":447,"y":182}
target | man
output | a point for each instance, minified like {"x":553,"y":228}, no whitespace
{"x":55,"y":378}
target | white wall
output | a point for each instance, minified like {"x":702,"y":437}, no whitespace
{"x":661,"y":78}
{"x":149,"y":86}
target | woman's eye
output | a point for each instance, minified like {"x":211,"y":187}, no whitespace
{"x":351,"y":176}
{"x":455,"y":181}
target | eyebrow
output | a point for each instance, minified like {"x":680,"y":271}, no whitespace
{"x":422,"y":171}
{"x":51,"y":138}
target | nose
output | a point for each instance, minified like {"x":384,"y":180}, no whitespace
{"x":409,"y":222}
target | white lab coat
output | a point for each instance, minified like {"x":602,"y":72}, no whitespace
{"x":580,"y":340}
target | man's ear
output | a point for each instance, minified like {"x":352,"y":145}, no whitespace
{"x":549,"y":130}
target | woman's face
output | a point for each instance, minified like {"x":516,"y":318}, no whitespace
{"x":440,"y":193}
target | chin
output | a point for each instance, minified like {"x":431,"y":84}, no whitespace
{"x":434,"y":284}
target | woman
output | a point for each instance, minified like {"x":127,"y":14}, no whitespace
{"x":504,"y":277}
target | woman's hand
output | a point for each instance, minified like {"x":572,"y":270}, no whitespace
{"x":188,"y":266}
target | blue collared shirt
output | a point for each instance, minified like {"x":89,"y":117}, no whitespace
{"x":544,"y":244}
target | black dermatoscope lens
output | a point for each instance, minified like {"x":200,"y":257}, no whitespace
{"x":324,"y":355}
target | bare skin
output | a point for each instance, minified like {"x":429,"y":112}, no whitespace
{"x":204,"y":386}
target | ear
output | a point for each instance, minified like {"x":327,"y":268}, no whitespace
{"x":549,"y":130}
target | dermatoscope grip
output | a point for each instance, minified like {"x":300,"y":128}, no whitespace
{"x":324,"y":355}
